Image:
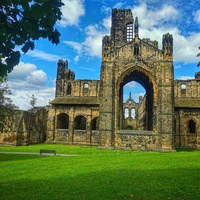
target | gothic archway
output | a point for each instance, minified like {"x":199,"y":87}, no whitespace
{"x":146,"y":120}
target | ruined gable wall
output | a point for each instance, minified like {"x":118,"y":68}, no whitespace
{"x":85,"y":88}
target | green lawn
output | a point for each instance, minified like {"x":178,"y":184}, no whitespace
{"x":98,"y":174}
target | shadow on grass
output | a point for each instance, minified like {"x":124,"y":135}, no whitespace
{"x":107,"y":185}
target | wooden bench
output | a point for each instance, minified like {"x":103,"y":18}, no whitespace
{"x":47,"y":151}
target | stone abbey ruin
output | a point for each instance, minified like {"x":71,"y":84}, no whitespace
{"x":91,"y":112}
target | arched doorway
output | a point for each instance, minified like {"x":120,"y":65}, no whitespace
{"x":146,"y":103}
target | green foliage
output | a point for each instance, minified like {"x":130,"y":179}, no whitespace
{"x":7,"y":108}
{"x":33,"y":101}
{"x":98,"y":174}
{"x":21,"y":23}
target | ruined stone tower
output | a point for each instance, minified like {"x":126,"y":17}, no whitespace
{"x":125,"y":58}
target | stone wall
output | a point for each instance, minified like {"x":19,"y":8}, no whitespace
{"x":25,"y":127}
{"x":92,"y":111}
{"x":187,"y":113}
{"x":80,"y":124}
{"x":137,"y":140}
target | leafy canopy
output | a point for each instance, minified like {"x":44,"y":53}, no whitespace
{"x":33,"y":101}
{"x":7,"y":108}
{"x":22,"y":22}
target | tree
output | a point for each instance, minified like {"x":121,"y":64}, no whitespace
{"x":22,"y":22}
{"x":33,"y":100}
{"x":198,"y":55}
{"x":7,"y":108}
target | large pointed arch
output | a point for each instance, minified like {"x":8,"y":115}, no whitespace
{"x":146,"y":79}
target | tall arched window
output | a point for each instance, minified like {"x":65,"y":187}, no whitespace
{"x":129,"y":32}
{"x":192,"y":126}
{"x":62,"y":121}
{"x":80,"y":123}
{"x":126,"y":113}
{"x":69,"y":89}
{"x":133,"y":113}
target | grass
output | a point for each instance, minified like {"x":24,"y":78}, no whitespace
{"x":98,"y":174}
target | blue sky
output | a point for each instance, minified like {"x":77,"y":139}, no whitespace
{"x":82,"y":27}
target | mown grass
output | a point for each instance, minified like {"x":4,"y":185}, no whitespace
{"x":98,"y":174}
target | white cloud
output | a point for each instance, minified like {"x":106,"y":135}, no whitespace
{"x":26,"y":75}
{"x":185,"y":77}
{"x":71,"y":11}
{"x":21,"y":98}
{"x":92,"y":46}
{"x":118,"y":5}
{"x":107,"y":23}
{"x":131,"y":84}
{"x":76,"y":59}
{"x":43,"y":55}
{"x":78,"y":47}
{"x":25,"y":80}
{"x":154,"y":23}
{"x":177,"y":67}
{"x":88,"y":69}
{"x":197,"y":16}
{"x":185,"y":49}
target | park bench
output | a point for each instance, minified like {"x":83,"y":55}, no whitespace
{"x":47,"y":151}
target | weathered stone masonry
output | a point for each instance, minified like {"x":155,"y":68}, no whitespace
{"x":92,"y":111}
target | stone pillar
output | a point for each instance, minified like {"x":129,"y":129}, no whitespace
{"x":106,"y":111}
{"x":88,"y":129}
{"x":50,"y":126}
{"x":71,"y":125}
{"x":166,"y":106}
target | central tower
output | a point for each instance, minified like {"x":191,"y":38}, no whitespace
{"x":125,"y":58}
